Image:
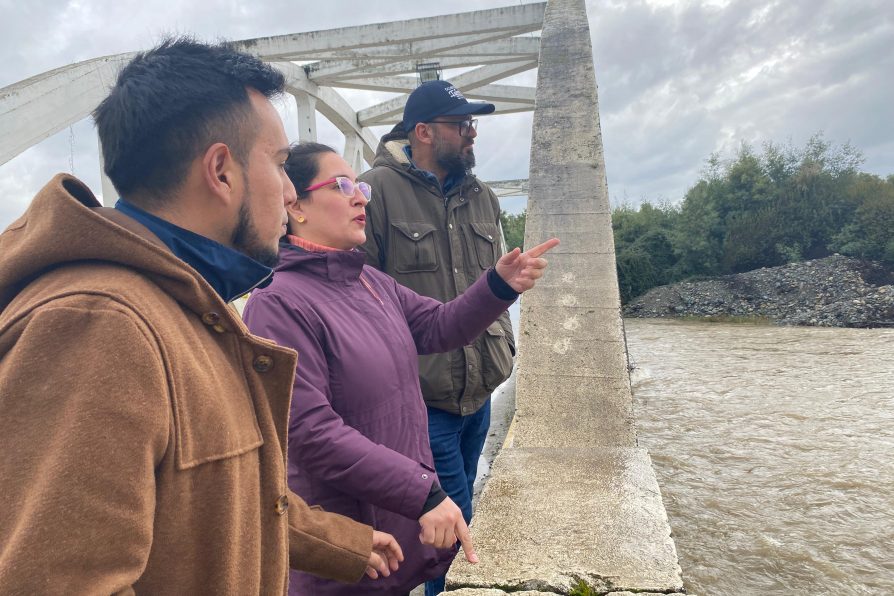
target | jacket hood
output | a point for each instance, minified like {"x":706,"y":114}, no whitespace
{"x":390,"y":151}
{"x":66,"y":224}
{"x":336,"y":265}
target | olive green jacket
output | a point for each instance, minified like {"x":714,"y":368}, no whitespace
{"x":438,"y":246}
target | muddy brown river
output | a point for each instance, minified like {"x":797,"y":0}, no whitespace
{"x":774,"y":449}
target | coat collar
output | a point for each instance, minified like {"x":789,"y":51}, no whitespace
{"x":343,"y":266}
{"x":229,"y":272}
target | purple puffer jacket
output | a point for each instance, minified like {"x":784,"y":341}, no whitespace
{"x":358,"y":431}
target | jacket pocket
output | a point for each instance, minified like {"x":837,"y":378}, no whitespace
{"x":438,"y":380}
{"x":496,"y":356}
{"x":486,"y":242}
{"x":214,"y":415}
{"x":413,"y":247}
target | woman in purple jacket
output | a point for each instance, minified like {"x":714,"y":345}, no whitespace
{"x":358,"y":436}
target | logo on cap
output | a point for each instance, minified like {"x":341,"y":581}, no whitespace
{"x":454,"y":92}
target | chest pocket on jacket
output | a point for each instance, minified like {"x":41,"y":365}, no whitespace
{"x":214,"y":415}
{"x":486,"y":240}
{"x":413,"y":247}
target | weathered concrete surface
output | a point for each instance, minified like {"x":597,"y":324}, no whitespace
{"x":502,"y":412}
{"x":571,"y":332}
{"x":495,"y":592}
{"x":551,"y":517}
{"x":600,"y":416}
{"x":549,"y":325}
{"x":571,"y":497}
{"x":566,"y":353}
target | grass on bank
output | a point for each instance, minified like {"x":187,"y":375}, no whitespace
{"x":582,"y":589}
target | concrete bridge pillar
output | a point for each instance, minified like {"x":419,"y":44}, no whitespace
{"x":571,"y":499}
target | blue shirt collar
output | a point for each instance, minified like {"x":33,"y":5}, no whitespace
{"x":229,"y":272}
{"x":449,"y":182}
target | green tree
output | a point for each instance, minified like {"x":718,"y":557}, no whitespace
{"x":513,"y":229}
{"x":753,"y":210}
{"x":870,"y":232}
{"x":698,"y":236}
{"x":762,"y":210}
{"x":644,"y":253}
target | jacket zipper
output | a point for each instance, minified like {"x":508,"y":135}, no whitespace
{"x":369,"y":287}
{"x":266,"y":277}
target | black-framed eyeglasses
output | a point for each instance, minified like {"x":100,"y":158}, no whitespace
{"x":465,"y":126}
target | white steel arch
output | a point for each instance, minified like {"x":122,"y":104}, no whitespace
{"x":316,"y":64}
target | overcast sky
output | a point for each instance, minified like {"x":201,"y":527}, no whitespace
{"x":677,"y":80}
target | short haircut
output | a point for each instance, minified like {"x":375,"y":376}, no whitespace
{"x":303,"y":164}
{"x":171,"y":103}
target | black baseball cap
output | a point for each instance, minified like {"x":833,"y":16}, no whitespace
{"x":439,"y":98}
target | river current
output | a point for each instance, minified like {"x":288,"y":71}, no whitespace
{"x":774,"y":449}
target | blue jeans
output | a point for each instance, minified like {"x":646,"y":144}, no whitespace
{"x":456,"y":444}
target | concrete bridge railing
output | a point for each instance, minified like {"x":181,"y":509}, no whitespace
{"x":572,"y":505}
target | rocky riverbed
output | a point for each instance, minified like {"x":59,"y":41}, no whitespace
{"x":832,"y":292}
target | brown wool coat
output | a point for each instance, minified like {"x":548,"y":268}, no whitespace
{"x":142,"y":427}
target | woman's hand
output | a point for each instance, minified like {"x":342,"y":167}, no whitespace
{"x":521,"y":270}
{"x":443,"y":526}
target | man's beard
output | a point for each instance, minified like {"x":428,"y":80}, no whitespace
{"x":451,"y":161}
{"x":245,"y":237}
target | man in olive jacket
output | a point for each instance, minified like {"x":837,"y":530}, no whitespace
{"x":435,"y":228}
{"x":143,"y":427}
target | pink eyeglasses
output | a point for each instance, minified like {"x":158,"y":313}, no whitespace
{"x":346,"y":186}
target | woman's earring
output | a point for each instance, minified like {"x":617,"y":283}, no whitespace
{"x":300,"y":219}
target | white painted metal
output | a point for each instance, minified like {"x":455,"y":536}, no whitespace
{"x":334,"y":70}
{"x":36,"y":108}
{"x":305,"y":46}
{"x":493,"y":44}
{"x":307,"y":115}
{"x":383,"y":112}
{"x":330,"y":104}
{"x":509,"y":188}
{"x":519,"y":47}
{"x":353,"y":153}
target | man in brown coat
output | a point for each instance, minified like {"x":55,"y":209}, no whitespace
{"x":142,"y":426}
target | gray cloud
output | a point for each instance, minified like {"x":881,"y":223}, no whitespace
{"x":679,"y":83}
{"x":676,"y":81}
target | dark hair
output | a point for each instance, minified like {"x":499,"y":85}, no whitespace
{"x":303,"y":165}
{"x":171,"y":103}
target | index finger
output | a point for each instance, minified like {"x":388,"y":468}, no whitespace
{"x":465,"y":538}
{"x":542,"y":247}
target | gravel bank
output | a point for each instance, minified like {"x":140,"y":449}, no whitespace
{"x":832,"y":292}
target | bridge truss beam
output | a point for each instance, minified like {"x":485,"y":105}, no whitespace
{"x":489,"y":44}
